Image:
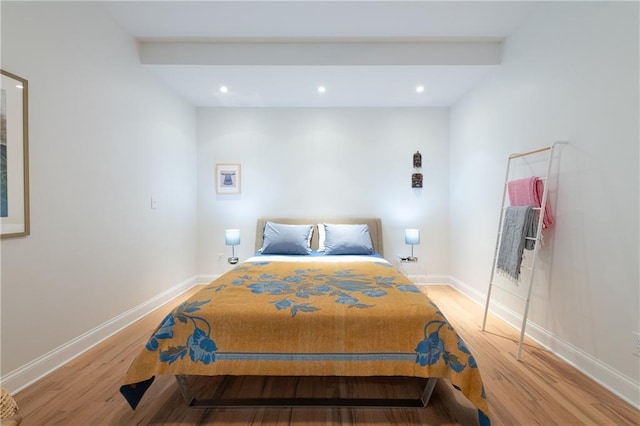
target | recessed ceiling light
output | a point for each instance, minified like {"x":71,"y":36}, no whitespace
{"x":322,"y":89}
{"x":419,"y":89}
{"x":224,"y":89}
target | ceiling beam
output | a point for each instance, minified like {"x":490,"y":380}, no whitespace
{"x":321,"y":53}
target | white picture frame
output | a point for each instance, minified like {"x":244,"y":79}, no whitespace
{"x":228,"y":178}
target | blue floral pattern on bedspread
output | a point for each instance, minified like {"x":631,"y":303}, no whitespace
{"x":290,"y":296}
{"x":199,"y":345}
{"x":432,"y":348}
{"x":344,"y":285}
{"x":300,"y":289}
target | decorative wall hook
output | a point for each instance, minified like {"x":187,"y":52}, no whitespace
{"x":416,"y":180}
{"x":417,"y":160}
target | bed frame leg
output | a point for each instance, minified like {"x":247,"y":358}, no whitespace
{"x":184,"y":388}
{"x":428,"y":390}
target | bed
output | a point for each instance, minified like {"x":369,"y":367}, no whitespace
{"x":317,"y":299}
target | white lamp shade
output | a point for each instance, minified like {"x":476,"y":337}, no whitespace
{"x":232,"y":237}
{"x":412,"y":236}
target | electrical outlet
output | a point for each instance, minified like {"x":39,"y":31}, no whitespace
{"x":636,"y":344}
{"x":219,"y":257}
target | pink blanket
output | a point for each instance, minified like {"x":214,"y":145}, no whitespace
{"x":528,"y":192}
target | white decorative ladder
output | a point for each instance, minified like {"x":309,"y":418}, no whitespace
{"x":537,"y":238}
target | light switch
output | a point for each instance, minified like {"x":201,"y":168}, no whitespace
{"x":154,"y":203}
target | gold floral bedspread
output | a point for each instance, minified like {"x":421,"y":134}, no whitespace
{"x":311,"y":318}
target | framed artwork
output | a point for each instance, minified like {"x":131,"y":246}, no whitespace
{"x":14,"y":156}
{"x":227,"y":178}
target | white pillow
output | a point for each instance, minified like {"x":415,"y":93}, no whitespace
{"x":321,"y":236}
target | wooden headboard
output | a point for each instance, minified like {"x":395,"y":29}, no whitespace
{"x":375,"y":228}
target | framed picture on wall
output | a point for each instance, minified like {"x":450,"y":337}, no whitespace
{"x":227,"y":178}
{"x":14,"y":156}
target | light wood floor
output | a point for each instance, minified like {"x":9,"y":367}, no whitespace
{"x":540,"y":389}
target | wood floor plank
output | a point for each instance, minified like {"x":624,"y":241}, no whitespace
{"x":540,"y":389}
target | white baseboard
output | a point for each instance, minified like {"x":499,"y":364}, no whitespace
{"x":438,"y":280}
{"x":206,"y":278}
{"x":618,"y":383}
{"x":29,"y":373}
{"x":423,"y":279}
{"x":468,"y":291}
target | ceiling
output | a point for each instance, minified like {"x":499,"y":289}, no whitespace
{"x":276,"y":54}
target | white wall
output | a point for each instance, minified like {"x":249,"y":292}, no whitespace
{"x":570,"y":72}
{"x":104,"y":137}
{"x":326,"y":162}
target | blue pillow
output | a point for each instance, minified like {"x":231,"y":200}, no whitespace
{"x":279,"y":238}
{"x":347,"y":239}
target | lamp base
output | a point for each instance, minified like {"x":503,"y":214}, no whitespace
{"x":233,"y":260}
{"x":409,"y":259}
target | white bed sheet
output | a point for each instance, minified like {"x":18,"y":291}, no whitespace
{"x":322,"y":258}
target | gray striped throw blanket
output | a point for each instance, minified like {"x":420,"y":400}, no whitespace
{"x":519,"y":222}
